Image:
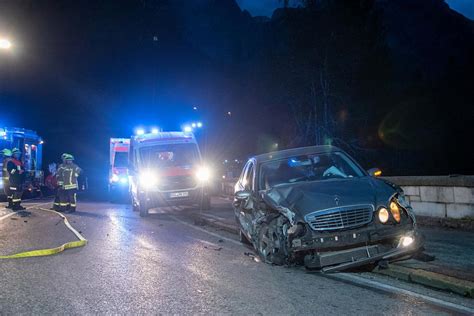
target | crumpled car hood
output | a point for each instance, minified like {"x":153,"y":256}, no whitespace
{"x":306,"y":197}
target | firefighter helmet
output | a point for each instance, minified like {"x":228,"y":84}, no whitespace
{"x":15,"y":151}
{"x":67,"y":156}
{"x":7,"y":152}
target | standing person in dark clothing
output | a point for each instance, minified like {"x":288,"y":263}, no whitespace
{"x":7,"y":156}
{"x":67,"y":175}
{"x":16,"y":173}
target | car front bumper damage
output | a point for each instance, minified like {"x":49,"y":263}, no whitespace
{"x":333,"y":261}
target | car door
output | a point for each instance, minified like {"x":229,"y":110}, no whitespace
{"x":244,"y":208}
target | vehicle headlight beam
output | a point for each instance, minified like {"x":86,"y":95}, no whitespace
{"x":203,"y":174}
{"x":148,"y":179}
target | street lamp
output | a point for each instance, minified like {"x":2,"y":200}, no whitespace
{"x":5,"y":44}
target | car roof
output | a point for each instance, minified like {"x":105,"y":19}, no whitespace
{"x":282,"y":154}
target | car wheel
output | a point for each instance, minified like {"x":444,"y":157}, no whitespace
{"x":271,"y":245}
{"x":243,"y":239}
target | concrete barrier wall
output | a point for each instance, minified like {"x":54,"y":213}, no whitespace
{"x":439,"y":196}
{"x":434,"y":196}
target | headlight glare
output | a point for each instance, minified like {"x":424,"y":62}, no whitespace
{"x":406,"y":241}
{"x":383,"y":215}
{"x":203,"y":174}
{"x":148,"y":179}
{"x":114,"y":178}
{"x":395,"y":210}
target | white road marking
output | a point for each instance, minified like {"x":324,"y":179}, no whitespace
{"x":204,"y":231}
{"x":396,"y":290}
{"x":214,"y":216}
{"x":359,"y":280}
{"x":28,"y":207}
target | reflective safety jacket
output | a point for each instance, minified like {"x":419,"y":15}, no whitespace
{"x":16,"y":172}
{"x":67,"y":175}
{"x":5,"y":174}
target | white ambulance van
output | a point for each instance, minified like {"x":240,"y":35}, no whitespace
{"x":165,"y":169}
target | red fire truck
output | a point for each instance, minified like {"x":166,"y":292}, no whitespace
{"x":31,"y":147}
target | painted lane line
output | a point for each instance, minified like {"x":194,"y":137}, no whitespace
{"x":204,"y":231}
{"x":29,"y":207}
{"x":396,"y":290}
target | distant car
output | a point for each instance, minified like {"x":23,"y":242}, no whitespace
{"x":317,"y":206}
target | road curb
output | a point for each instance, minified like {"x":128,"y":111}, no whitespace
{"x":430,"y":279}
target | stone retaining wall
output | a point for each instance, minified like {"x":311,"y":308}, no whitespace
{"x":439,"y":196}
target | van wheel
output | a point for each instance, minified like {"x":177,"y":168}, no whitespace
{"x":205,"y":203}
{"x":143,"y":209}
{"x":135,"y":207}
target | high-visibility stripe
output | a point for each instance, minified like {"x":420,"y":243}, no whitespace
{"x":16,"y":200}
{"x":13,"y":188}
{"x":63,"y":204}
{"x":70,"y":186}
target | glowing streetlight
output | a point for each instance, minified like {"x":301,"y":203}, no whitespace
{"x":5,"y":43}
{"x":140,"y":131}
{"x":188,"y":129}
{"x":199,"y":124}
{"x":155,"y":130}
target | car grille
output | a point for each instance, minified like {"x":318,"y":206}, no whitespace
{"x":340,"y":217}
{"x":177,"y":183}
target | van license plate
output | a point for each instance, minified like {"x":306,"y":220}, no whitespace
{"x":179,"y":194}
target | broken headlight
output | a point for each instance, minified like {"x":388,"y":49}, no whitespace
{"x":395,"y":210}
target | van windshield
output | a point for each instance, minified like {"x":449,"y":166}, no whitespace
{"x":169,"y":156}
{"x":121,"y":159}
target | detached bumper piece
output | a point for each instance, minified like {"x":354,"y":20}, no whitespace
{"x":350,"y":258}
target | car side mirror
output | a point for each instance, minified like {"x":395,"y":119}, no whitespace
{"x":375,"y":172}
{"x":242,"y":195}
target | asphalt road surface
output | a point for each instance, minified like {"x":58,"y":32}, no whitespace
{"x":167,"y":264}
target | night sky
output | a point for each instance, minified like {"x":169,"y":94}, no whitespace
{"x":86,"y":71}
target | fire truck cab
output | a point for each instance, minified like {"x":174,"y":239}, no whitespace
{"x":118,"y":170}
{"x":31,"y":147}
{"x":166,"y":169}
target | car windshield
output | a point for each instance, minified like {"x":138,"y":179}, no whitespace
{"x":169,"y":156}
{"x":324,"y":166}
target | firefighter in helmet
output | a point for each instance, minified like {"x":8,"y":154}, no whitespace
{"x":16,"y":173}
{"x":67,"y":175}
{"x":7,"y":156}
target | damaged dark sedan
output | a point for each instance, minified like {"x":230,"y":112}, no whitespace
{"x":317,"y":206}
